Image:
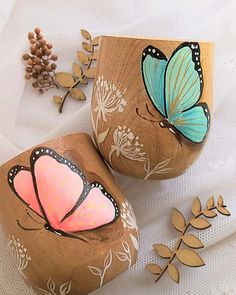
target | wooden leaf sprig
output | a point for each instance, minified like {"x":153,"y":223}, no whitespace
{"x":186,"y":255}
{"x":80,"y":72}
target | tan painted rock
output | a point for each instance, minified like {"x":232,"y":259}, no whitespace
{"x":68,"y":226}
{"x":151,"y":104}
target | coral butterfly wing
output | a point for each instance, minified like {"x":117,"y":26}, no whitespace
{"x":57,"y":190}
{"x":21,"y":182}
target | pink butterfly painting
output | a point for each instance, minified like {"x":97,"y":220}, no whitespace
{"x":55,"y":189}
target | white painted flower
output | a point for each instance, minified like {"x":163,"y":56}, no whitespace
{"x":125,"y":143}
{"x":109,"y":98}
{"x":19,"y":254}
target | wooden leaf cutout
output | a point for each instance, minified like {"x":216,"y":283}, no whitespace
{"x":200,"y":223}
{"x":102,"y":136}
{"x":220,"y":201}
{"x":82,"y":57}
{"x":77,"y":94}
{"x":178,"y":220}
{"x":57,"y":99}
{"x":85,"y":34}
{"x":210,"y":202}
{"x":77,"y":71}
{"x":83,"y":81}
{"x":87,"y":47}
{"x":223,"y":210}
{"x":154,"y":268}
{"x":64,"y":79}
{"x":162,"y":250}
{"x":189,"y":257}
{"x":196,"y":206}
{"x":173,"y":273}
{"x":94,"y":55}
{"x":209,"y":213}
{"x":90,"y":73}
{"x":95,"y":41}
{"x":192,"y":241}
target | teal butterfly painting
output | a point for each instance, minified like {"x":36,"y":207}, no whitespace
{"x":175,"y":86}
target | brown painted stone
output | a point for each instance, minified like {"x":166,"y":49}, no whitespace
{"x":131,"y":144}
{"x":51,"y":254}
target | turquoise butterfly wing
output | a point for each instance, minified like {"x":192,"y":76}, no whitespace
{"x":153,"y":70}
{"x":183,"y":90}
{"x":178,"y":100}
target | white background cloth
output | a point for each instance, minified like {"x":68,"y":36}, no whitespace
{"x":27,"y":118}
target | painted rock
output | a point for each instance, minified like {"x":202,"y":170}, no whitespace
{"x":68,"y":226}
{"x":151,"y":104}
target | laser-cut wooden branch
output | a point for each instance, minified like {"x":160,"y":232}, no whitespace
{"x":186,"y":256}
{"x":80,"y":72}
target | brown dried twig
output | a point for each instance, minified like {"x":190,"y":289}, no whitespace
{"x":186,"y":256}
{"x":39,"y":61}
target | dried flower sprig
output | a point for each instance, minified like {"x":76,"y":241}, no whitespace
{"x":186,"y":256}
{"x":40,"y":64}
{"x":80,"y":72}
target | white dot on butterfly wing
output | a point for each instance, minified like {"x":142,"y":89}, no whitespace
{"x":149,"y":49}
{"x":153,"y":50}
{"x":144,"y":54}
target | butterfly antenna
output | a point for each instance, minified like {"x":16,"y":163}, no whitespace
{"x":144,"y":118}
{"x":26,"y":228}
{"x":148,"y":110}
{"x":31,"y":217}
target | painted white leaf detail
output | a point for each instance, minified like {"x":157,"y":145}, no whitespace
{"x":95,"y":271}
{"x":121,"y":256}
{"x":65,"y":288}
{"x":102,"y":136}
{"x":108,"y":259}
{"x":101,"y":272}
{"x":126,"y":255}
{"x":135,"y":242}
{"x":51,"y":285}
{"x":126,"y":246}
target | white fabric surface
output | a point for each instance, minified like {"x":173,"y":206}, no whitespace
{"x":27,"y":119}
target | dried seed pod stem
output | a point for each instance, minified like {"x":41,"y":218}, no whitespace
{"x":39,"y":61}
{"x":89,"y":47}
{"x":187,"y":256}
